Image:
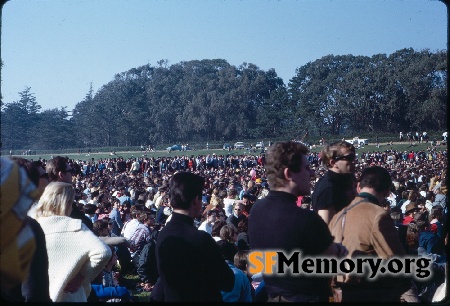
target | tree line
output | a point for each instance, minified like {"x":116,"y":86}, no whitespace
{"x":211,"y":100}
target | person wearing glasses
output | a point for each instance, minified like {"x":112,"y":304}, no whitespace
{"x":59,"y":170}
{"x":336,"y":189}
{"x":277,"y":223}
{"x":237,"y":215}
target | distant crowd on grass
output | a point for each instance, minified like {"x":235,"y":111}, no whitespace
{"x":126,"y":202}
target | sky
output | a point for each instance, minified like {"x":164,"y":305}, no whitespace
{"x":59,"y":48}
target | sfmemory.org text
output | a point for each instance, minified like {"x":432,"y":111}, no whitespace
{"x":278,"y":263}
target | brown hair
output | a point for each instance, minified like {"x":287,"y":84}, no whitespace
{"x":55,"y":165}
{"x":330,"y":151}
{"x":240,"y":260}
{"x":215,"y":232}
{"x":227,"y":233}
{"x":283,"y":155}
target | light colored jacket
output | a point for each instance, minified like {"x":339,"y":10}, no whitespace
{"x":368,"y":230}
{"x":72,"y":248}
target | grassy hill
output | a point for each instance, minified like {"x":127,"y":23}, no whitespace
{"x":403,"y":146}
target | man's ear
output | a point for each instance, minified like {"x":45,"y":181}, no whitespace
{"x":287,"y":174}
{"x":60,"y":175}
{"x":331,"y":163}
{"x":358,"y":188}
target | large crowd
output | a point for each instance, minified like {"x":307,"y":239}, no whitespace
{"x":125,"y":203}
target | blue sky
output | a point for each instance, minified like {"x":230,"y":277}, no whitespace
{"x":58,"y":47}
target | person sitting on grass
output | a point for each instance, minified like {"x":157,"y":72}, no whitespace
{"x":242,"y":288}
{"x":106,"y":285}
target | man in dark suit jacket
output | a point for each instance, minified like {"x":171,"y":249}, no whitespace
{"x":189,"y":261}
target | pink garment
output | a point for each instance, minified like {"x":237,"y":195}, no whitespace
{"x":299,"y":201}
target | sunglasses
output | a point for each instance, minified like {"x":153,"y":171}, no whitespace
{"x":348,"y":157}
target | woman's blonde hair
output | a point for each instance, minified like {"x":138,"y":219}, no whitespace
{"x":56,"y":200}
{"x":216,"y":202}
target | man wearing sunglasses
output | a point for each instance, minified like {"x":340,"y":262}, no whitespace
{"x":337,"y":188}
{"x":277,"y":223}
{"x":59,"y":170}
{"x":237,"y":215}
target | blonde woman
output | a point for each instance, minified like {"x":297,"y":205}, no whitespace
{"x":76,"y":256}
{"x":215,"y":203}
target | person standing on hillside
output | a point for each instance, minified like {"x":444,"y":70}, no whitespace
{"x":277,"y":223}
{"x":337,"y":188}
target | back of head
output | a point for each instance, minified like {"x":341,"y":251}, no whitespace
{"x":240,"y":260}
{"x":396,"y":213}
{"x":232,"y":192}
{"x":99,"y":225}
{"x":57,"y":200}
{"x":243,"y":226}
{"x":283,"y":155}
{"x":437,"y":212}
{"x":184,"y":188}
{"x":142,"y":216}
{"x":412,"y":196}
{"x":215,"y":231}
{"x":227,"y":249}
{"x":89,"y":208}
{"x":216,"y":202}
{"x":377,"y":178}
{"x":228,"y":233}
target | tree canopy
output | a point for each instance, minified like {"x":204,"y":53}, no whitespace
{"x":211,"y":100}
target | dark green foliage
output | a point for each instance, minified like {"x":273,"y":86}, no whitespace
{"x":402,"y":92}
{"x":213,"y":101}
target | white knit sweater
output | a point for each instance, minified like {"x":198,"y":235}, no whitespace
{"x":72,"y":248}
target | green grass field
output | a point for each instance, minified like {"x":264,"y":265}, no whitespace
{"x":404,"y":146}
{"x":138,"y":296}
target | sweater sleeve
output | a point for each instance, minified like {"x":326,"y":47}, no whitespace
{"x":97,"y":258}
